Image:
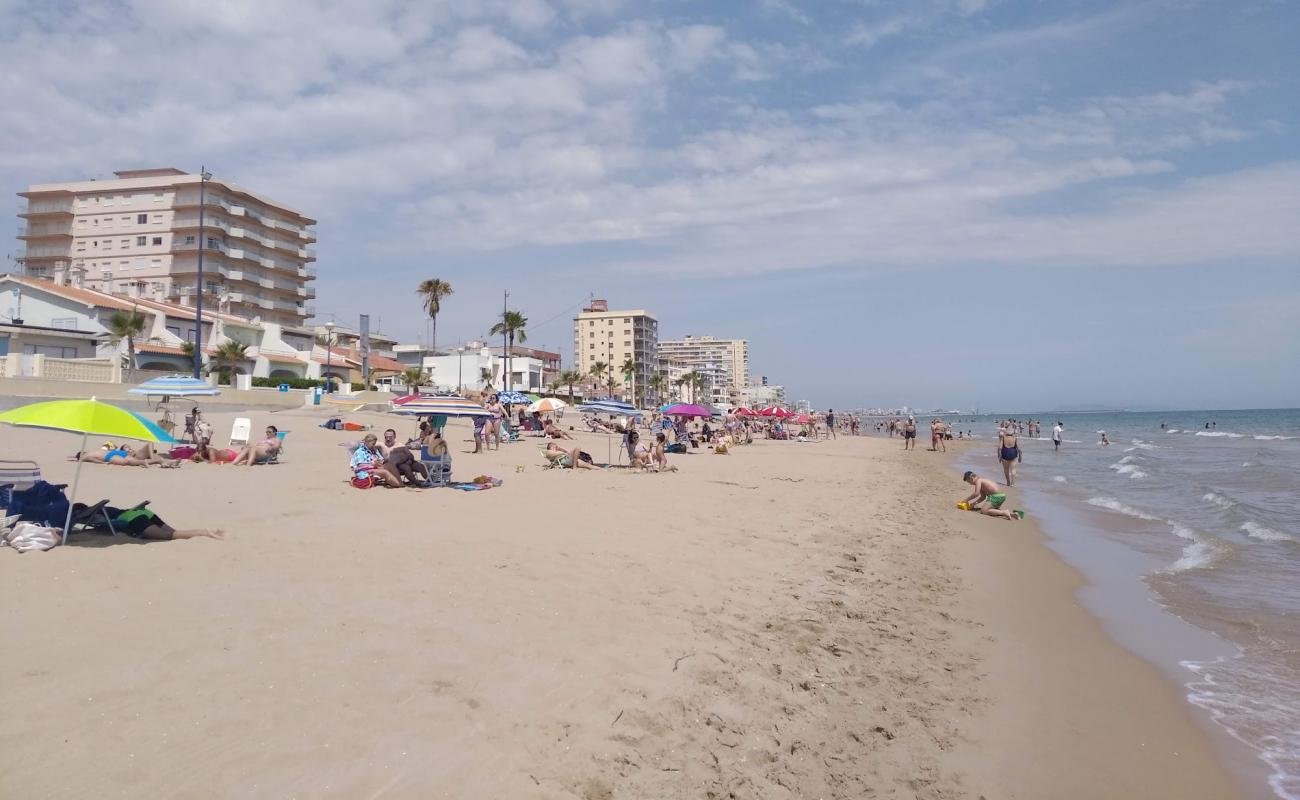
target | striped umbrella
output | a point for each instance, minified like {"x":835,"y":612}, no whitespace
{"x":775,"y":411}
{"x":609,"y":407}
{"x":176,"y":386}
{"x":547,"y":405}
{"x":514,"y":398}
{"x":425,"y":405}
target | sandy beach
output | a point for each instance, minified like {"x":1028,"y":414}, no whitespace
{"x":792,"y":620}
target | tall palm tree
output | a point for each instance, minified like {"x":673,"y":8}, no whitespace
{"x":569,"y":377}
{"x":128,"y":326}
{"x":655,"y":383}
{"x":485,"y":376}
{"x":433,"y":290}
{"x":629,"y":375}
{"x":696,"y":379}
{"x":228,"y":355}
{"x":512,"y":327}
{"x":679,"y":383}
{"x":598,"y":371}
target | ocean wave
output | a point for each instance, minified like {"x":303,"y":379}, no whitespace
{"x":1112,"y":504}
{"x":1201,"y":552}
{"x":1059,"y":479}
{"x":1248,"y":463}
{"x":1173,"y":430}
{"x":1274,"y":438}
{"x":1141,"y":445}
{"x":1218,"y":500}
{"x":1220,"y":434}
{"x":1258,"y":531}
{"x":1130,"y":470}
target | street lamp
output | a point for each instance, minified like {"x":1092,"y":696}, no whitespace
{"x":460,"y":377}
{"x":329,"y":356}
{"x":204,"y":176}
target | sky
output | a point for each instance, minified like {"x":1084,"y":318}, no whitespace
{"x":938,"y":203}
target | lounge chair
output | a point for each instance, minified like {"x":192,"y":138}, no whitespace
{"x":439,"y":467}
{"x":240,"y":431}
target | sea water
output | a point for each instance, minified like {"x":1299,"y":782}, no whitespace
{"x":1213,"y":512}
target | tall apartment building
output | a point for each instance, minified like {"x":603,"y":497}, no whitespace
{"x":725,"y":360}
{"x":613,"y":337}
{"x":139,"y":235}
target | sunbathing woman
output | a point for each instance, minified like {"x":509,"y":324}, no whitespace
{"x":560,"y":457}
{"x":215,"y":455}
{"x":123,"y":456}
{"x":260,"y":452}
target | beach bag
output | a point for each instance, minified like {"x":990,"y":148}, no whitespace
{"x":183,"y":453}
{"x":585,"y":456}
{"x":44,"y":503}
{"x":333,"y":423}
{"x":676,"y":447}
{"x":27,"y":536}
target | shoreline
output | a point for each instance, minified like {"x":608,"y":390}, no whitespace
{"x":790,"y":620}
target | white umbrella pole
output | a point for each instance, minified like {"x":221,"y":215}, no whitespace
{"x":76,"y":478}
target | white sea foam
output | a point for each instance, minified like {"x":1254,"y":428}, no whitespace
{"x":1059,"y":478}
{"x":1141,"y":445}
{"x":1172,"y":430}
{"x":1218,"y":500}
{"x":1201,"y":552}
{"x":1131,"y":470}
{"x":1258,"y":531}
{"x":1274,"y":438}
{"x":1220,"y":434}
{"x":1112,"y":504}
{"x":1248,"y":463}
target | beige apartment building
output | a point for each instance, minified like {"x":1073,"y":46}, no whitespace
{"x":724,"y":361}
{"x":612,"y":337}
{"x":138,"y":235}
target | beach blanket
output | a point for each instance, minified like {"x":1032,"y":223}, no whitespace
{"x":478,"y":484}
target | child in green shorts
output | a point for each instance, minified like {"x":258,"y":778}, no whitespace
{"x":987,"y":490}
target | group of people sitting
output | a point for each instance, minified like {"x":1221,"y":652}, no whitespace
{"x":393,"y":463}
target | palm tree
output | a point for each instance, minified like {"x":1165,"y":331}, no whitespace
{"x":598,"y":371}
{"x":414,"y":378}
{"x":569,"y":377}
{"x":228,"y":355}
{"x":128,"y":325}
{"x":696,"y":380}
{"x":679,"y":383}
{"x":485,"y":377}
{"x":433,"y":290}
{"x":629,"y":374}
{"x":655,"y":383}
{"x":512,"y":326}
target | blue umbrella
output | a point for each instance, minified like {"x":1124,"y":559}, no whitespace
{"x":176,"y":386}
{"x":514,"y":398}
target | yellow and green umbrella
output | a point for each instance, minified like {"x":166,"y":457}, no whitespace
{"x":88,"y":418}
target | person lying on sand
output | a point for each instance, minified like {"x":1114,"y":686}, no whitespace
{"x":560,"y":457}
{"x":986,"y":489}
{"x":142,"y":523}
{"x":126,"y":456}
{"x":215,"y":455}
{"x":260,"y":452}
{"x":550,"y":429}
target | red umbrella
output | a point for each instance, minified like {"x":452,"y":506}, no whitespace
{"x":802,"y":419}
{"x":745,"y":412}
{"x":775,"y":411}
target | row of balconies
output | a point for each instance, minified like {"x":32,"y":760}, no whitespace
{"x":303,"y":233}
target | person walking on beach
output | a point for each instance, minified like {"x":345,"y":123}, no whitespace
{"x":1056,"y":436}
{"x":830,"y":424}
{"x":1008,"y":454}
{"x":987,"y":490}
{"x":909,"y":434}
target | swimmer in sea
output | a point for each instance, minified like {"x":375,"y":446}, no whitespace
{"x":1104,"y":440}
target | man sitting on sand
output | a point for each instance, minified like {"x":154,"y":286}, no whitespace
{"x":260,"y":452}
{"x":986,"y":489}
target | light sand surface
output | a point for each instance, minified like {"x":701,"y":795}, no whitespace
{"x":791,"y":620}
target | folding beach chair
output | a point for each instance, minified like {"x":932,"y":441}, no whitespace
{"x":19,"y":474}
{"x":274,"y":458}
{"x":239,"y":432}
{"x":439,"y":467}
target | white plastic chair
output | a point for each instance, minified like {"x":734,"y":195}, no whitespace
{"x":239,"y":432}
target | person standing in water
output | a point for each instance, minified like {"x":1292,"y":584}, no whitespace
{"x":1056,"y":435}
{"x":1008,"y":454}
{"x":909,"y":434}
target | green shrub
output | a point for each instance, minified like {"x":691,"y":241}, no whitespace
{"x":294,"y":383}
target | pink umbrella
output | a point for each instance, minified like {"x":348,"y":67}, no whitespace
{"x":687,"y":410}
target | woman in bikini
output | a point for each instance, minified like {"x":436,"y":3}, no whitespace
{"x":1008,"y":454}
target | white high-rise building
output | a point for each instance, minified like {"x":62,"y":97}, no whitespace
{"x":725,"y":360}
{"x":611,"y":338}
{"x":139,"y":235}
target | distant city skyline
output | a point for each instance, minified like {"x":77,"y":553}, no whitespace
{"x":948,"y":202}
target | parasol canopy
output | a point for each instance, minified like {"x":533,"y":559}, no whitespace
{"x":423,"y":405}
{"x":514,"y":398}
{"x":775,"y":411}
{"x":176,"y":386}
{"x":687,"y":410}
{"x":609,"y":407}
{"x":547,"y":405}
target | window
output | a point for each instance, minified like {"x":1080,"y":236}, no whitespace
{"x":189,"y":240}
{"x":212,"y":243}
{"x":123,"y":265}
{"x":611,"y":322}
{"x":125,"y":220}
{"x":108,"y":201}
{"x":141,"y":219}
{"x":627,"y":344}
{"x":157,"y":197}
{"x":50,"y":350}
{"x":156,"y":262}
{"x":81,"y":247}
{"x":157,"y":241}
{"x":81,"y":221}
{"x":157,"y":219}
{"x":64,"y":323}
{"x":95,"y":222}
{"x":108,"y":244}
{"x":126,"y":243}
{"x":591,"y":323}
{"x":174,"y":330}
{"x":141,"y":240}
{"x":593,"y":347}
{"x":627,"y":319}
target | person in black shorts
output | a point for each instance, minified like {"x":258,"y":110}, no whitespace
{"x":909,"y":434}
{"x":141,"y":523}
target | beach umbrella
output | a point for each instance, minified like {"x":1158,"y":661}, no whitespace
{"x":775,"y":411}
{"x":609,"y":407}
{"x":801,"y":419}
{"x":88,"y":418}
{"x":686,"y":410}
{"x":175,"y":386}
{"x":513,"y":398}
{"x":745,"y":412}
{"x":547,"y":405}
{"x":454,"y":406}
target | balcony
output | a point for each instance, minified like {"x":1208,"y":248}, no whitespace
{"x":266,"y":283}
{"x":44,"y":207}
{"x":308,"y":273}
{"x":307,"y":252}
{"x":42,"y":230}
{"x":309,"y":310}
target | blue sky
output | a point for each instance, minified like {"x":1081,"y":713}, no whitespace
{"x":938,"y":202}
